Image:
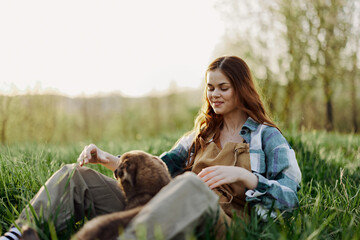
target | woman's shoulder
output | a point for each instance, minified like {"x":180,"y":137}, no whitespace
{"x":260,"y":129}
{"x":187,"y":139}
{"x":272,"y":138}
{"x":268,"y":135}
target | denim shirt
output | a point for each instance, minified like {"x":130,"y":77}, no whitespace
{"x":272,"y":160}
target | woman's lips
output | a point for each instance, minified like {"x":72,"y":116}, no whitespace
{"x":217,"y":104}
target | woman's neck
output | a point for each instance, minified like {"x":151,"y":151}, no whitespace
{"x":233,"y":122}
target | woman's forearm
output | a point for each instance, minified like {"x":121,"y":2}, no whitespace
{"x":113,"y":161}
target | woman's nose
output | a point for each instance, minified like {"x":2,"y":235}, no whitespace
{"x":216,"y":93}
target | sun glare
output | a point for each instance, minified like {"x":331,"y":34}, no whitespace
{"x":89,"y":47}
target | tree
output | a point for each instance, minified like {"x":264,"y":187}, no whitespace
{"x":354,"y":76}
{"x":292,"y":14}
{"x":304,"y":47}
{"x":329,"y":23}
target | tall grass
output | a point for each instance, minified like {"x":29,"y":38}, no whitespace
{"x":329,"y":195}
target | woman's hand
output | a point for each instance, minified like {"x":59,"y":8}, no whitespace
{"x":218,"y":175}
{"x":93,"y":154}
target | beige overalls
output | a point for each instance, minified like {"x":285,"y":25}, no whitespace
{"x":231,"y":196}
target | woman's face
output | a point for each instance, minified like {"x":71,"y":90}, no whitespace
{"x":221,"y":93}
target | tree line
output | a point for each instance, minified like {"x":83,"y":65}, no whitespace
{"x":59,"y":119}
{"x":304,"y":54}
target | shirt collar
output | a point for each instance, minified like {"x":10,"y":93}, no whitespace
{"x":251,"y":124}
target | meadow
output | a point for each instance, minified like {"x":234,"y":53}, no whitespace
{"x":329,"y":195}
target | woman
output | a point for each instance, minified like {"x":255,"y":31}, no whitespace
{"x":235,"y":149}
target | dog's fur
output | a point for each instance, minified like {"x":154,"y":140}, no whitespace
{"x":141,"y":176}
{"x":29,"y":234}
{"x":108,"y":226}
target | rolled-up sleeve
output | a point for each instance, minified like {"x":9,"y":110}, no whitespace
{"x":175,"y":158}
{"x":279,"y":184}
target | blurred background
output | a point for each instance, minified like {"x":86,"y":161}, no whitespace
{"x":108,"y":70}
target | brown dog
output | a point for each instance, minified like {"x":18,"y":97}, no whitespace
{"x":140,"y":176}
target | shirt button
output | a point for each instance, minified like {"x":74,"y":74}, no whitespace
{"x":243,"y":132}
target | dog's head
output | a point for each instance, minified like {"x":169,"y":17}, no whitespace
{"x":139,"y":171}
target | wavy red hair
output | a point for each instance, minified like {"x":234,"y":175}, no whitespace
{"x":207,"y":122}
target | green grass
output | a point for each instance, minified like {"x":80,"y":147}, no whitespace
{"x":329,"y":195}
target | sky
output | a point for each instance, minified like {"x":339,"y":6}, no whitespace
{"x":87,"y":47}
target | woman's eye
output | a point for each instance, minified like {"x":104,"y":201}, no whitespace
{"x":224,"y":89}
{"x":210,"y":89}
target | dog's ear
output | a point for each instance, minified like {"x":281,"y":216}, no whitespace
{"x":127,"y":177}
{"x":127,"y":173}
{"x":122,"y":175}
{"x":117,"y":170}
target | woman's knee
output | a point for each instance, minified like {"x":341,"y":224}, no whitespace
{"x":71,"y":170}
{"x":74,"y":167}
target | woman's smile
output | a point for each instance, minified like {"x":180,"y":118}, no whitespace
{"x":220,"y":93}
{"x":217,"y":104}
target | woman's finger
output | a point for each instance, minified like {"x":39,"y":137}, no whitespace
{"x":205,"y":176}
{"x":206,"y":171}
{"x":218,"y":183}
{"x":89,"y":151}
{"x":213,"y":176}
{"x":215,"y":184}
{"x":214,"y":179}
{"x":80,"y":159}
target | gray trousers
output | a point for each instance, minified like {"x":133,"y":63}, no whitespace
{"x":173,"y":213}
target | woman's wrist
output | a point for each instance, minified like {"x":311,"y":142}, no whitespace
{"x":112,"y":161}
{"x":249,"y":179}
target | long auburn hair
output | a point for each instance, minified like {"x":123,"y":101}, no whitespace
{"x":207,"y":123}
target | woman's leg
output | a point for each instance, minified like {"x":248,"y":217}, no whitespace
{"x":180,"y":207}
{"x":77,"y":192}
